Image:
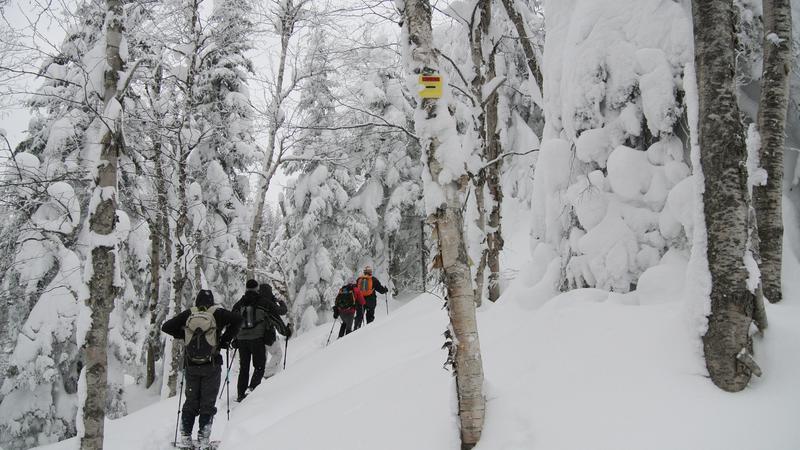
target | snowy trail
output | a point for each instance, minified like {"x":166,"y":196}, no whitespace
{"x":586,"y":370}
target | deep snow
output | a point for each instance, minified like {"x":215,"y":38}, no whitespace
{"x":584,"y":370}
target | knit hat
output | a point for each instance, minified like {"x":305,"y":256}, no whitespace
{"x":251,"y":285}
{"x":204,"y":298}
{"x":351,"y":280}
{"x":265,"y":289}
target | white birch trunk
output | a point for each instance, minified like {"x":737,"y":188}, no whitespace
{"x":447,"y":221}
{"x":725,"y":200}
{"x":772,"y":111}
{"x":102,"y":220}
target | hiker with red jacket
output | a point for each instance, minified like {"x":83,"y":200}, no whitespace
{"x":347,"y":301}
{"x":368,"y":285}
{"x":202,"y":361}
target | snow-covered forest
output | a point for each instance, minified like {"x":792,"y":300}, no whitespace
{"x":598,"y":205}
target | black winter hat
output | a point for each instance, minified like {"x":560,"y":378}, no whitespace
{"x":204,"y":298}
{"x":265,"y":289}
{"x":251,"y":285}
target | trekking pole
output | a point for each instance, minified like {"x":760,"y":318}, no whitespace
{"x":285,"y":353}
{"x":228,"y":374}
{"x":180,"y":398}
{"x":228,"y":381}
{"x":386,"y":299}
{"x":331,"y":333}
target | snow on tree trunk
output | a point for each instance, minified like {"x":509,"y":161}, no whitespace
{"x":526,"y":43}
{"x":103,"y":286}
{"x":771,"y":128}
{"x":725,"y":201}
{"x":444,"y":160}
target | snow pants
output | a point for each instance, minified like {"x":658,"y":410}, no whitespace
{"x":347,"y":323}
{"x":372,"y":302}
{"x":202,"y":387}
{"x":257,"y":350}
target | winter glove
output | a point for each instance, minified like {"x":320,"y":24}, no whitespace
{"x":289,"y":330}
{"x":235,"y":344}
{"x":223,"y":345}
{"x":335,"y":314}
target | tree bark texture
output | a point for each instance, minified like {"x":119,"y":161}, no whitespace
{"x":525,"y":41}
{"x":102,"y":221}
{"x":447,"y":221}
{"x":725,"y":201}
{"x":489,"y":177}
{"x":772,"y":110}
{"x":159,"y":233}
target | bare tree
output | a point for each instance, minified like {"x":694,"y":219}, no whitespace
{"x":725,"y":201}
{"x":772,"y":110}
{"x":444,"y":200}
{"x":287,"y":16}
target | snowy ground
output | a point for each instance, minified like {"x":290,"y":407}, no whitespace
{"x":585,"y":370}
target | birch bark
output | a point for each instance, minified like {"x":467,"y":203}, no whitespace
{"x":102,"y":221}
{"x":772,"y":110}
{"x":725,"y":200}
{"x":447,"y":221}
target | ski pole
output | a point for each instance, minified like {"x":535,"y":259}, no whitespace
{"x":386,"y":299}
{"x":285,"y":353}
{"x":331,"y":333}
{"x":180,"y":398}
{"x":228,"y":382}
{"x":228,"y":374}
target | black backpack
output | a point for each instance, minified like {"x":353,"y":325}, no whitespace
{"x":200,"y":335}
{"x":346,"y":298}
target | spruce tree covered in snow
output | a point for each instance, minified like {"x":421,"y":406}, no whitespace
{"x":612,"y":197}
{"x":221,"y":161}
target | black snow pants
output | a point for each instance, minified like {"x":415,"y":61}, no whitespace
{"x":202,"y":387}
{"x":347,"y":323}
{"x":372,"y":302}
{"x":257,"y":350}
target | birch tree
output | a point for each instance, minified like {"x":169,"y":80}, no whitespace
{"x":103,"y":288}
{"x":725,"y":201}
{"x":771,"y":129}
{"x":443,"y":161}
{"x":286,"y":17}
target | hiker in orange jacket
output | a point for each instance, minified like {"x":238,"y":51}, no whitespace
{"x":368,"y":285}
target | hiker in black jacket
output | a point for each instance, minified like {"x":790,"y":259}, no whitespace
{"x":274,"y":351}
{"x":257,"y":329}
{"x":202,"y":361}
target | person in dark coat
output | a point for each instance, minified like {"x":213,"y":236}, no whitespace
{"x":368,"y":285}
{"x":347,"y":313}
{"x":202,"y":379}
{"x":257,"y":329}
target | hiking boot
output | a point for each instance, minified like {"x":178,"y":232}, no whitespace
{"x":240,"y":397}
{"x":204,"y":438}
{"x":185,"y":441}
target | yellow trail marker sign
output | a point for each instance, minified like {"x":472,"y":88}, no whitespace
{"x":430,"y":86}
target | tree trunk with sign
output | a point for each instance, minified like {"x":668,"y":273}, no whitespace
{"x":443,"y":201}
